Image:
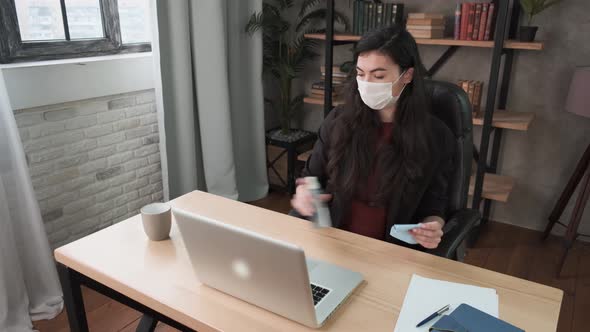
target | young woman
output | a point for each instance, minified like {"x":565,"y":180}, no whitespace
{"x":383,"y":158}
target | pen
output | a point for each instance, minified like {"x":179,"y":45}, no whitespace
{"x":438,"y":313}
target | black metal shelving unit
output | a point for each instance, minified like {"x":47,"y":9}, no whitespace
{"x":506,"y":26}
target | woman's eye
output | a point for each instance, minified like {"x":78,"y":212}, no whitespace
{"x":379,"y":77}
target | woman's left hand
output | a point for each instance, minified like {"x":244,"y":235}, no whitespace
{"x":429,"y":234}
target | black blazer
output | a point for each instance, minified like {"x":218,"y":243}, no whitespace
{"x":427,"y":196}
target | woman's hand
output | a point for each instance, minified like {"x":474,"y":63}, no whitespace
{"x":429,"y":234}
{"x":302,"y":201}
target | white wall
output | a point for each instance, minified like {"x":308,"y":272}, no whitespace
{"x":53,"y":82}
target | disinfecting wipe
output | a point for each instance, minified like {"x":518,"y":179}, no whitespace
{"x":321,"y":217}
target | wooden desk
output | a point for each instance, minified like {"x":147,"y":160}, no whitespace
{"x":156,"y":277}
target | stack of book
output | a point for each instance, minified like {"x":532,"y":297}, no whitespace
{"x":474,"y":21}
{"x":338,"y":80}
{"x":338,"y":76}
{"x":425,"y":25}
{"x":370,"y":15}
{"x":317,"y":89}
{"x":474,"y":91}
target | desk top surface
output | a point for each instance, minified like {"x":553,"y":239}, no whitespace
{"x":159,"y":274}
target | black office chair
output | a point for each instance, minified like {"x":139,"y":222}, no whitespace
{"x":451,"y":105}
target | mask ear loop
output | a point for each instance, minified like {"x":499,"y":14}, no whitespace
{"x":405,"y":84}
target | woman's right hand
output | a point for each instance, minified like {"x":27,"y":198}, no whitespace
{"x":302,"y":201}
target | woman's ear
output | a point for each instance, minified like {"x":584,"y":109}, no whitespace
{"x":408,"y":76}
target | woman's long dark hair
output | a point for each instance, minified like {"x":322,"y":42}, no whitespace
{"x":354,"y":134}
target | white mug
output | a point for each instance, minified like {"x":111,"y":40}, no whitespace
{"x":157,"y":220}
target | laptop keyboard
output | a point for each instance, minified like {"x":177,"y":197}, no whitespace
{"x":318,"y":293}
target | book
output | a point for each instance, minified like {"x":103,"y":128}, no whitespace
{"x":335,"y":70}
{"x":336,"y":74}
{"x":476,"y":21}
{"x":371,"y":16}
{"x":365,"y":15}
{"x":468,"y":318}
{"x":470,"y":20}
{"x":426,"y":16}
{"x":317,"y":92}
{"x":432,"y":34}
{"x":387,"y":15}
{"x":465,"y":87}
{"x":464,"y":18}
{"x":477,"y":93}
{"x":379,"y":15}
{"x":426,"y":21}
{"x":355,"y":17}
{"x":425,"y":27}
{"x":457,"y":31}
{"x":361,"y":21}
{"x":336,"y":80}
{"x":484,"y":20}
{"x":397,"y":13}
{"x":470,"y":93}
{"x":489,"y":34}
{"x":321,"y":85}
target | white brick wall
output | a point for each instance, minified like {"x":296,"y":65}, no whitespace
{"x":92,"y":162}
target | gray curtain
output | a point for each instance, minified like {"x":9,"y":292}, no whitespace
{"x":29,"y":287}
{"x":211,"y":97}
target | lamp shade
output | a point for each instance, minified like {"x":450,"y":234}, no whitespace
{"x":578,"y":98}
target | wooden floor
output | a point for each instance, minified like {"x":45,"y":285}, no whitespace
{"x":503,"y":248}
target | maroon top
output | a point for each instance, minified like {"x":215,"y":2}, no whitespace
{"x":365,"y":217}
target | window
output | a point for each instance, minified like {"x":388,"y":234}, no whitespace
{"x":33,"y":30}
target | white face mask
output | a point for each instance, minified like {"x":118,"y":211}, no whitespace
{"x":378,"y":96}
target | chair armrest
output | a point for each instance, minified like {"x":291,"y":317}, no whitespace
{"x":456,"y":229}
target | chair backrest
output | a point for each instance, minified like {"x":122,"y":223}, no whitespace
{"x":451,"y":105}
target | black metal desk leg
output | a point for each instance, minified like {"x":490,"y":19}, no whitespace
{"x":70,"y":284}
{"x":146,"y":324}
{"x":291,"y":155}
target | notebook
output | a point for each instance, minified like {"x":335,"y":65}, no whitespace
{"x":468,"y":319}
{"x":425,"y":296}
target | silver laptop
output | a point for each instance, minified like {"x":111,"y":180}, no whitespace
{"x":269,"y":273}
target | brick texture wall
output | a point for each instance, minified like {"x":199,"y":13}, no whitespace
{"x":93,"y":162}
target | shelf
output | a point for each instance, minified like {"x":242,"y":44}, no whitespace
{"x":320,"y":101}
{"x":509,"y":120}
{"x":511,"y":44}
{"x":495,"y":187}
{"x":304,"y":156}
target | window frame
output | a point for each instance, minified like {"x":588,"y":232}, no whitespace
{"x":13,"y":49}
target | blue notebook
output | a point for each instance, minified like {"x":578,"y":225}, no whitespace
{"x":468,"y":319}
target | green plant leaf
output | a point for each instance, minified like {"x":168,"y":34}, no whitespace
{"x":271,"y":9}
{"x":320,"y":14}
{"x":296,"y":105}
{"x":342,"y":19}
{"x":310,"y":17}
{"x":527,"y":6}
{"x":270,"y":102}
{"x":254,"y":23}
{"x":548,"y":4}
{"x":306,"y":5}
{"x":284,"y":4}
{"x":303,"y":50}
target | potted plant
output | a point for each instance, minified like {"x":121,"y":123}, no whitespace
{"x":286,"y":50}
{"x":532,"y":8}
